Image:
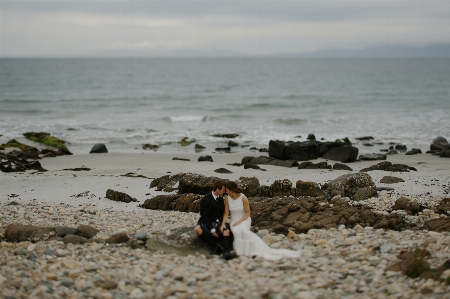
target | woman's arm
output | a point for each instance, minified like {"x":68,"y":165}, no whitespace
{"x":225,"y":214}
{"x":246,"y":210}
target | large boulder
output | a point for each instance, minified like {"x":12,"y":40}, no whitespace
{"x":403,"y":203}
{"x":343,"y":154}
{"x":357,"y":186}
{"x":299,"y":151}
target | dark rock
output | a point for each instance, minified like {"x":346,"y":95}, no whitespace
{"x":263,"y":150}
{"x":388,"y":166}
{"x":445,"y":152}
{"x":443,"y":208}
{"x":320,"y":165}
{"x":300,"y":151}
{"x":119,"y":196}
{"x":222,"y":170}
{"x":412,"y":263}
{"x":303,"y":228}
{"x":339,"y":166}
{"x":109,"y":284}
{"x":199,"y":147}
{"x":74,"y":239}
{"x":149,"y":146}
{"x":206,"y":158}
{"x":98,"y":148}
{"x":413,"y":151}
{"x":226,"y":135}
{"x":311,"y":137}
{"x":176,"y":202}
{"x":118,"y":238}
{"x":86,"y":231}
{"x":249,"y":165}
{"x":11,"y":163}
{"x":343,"y":154}
{"x":391,"y":180}
{"x":358,"y":186}
{"x":223,"y":149}
{"x":401,"y":148}
{"x":365,"y":138}
{"x":181,"y":159}
{"x":403,"y":203}
{"x":257,"y":160}
{"x":385,"y":189}
{"x":232,"y":143}
{"x":371,"y":157}
{"x":283,"y":163}
{"x":392,"y":152}
{"x":438,"y":143}
{"x":61,"y":231}
{"x":303,"y":165}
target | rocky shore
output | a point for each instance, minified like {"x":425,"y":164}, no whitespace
{"x":348,"y":262}
{"x":120,"y":226}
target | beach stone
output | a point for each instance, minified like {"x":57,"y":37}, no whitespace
{"x":141,"y":236}
{"x":349,"y":242}
{"x":403,"y":203}
{"x":22,"y":251}
{"x":206,"y":158}
{"x":61,"y":231}
{"x":372,"y":157}
{"x":304,"y":228}
{"x":391,"y":180}
{"x":109,"y":284}
{"x":118,"y":238}
{"x":74,"y":239}
{"x":340,"y":166}
{"x":86,"y":231}
{"x":98,"y":148}
{"x":413,"y":151}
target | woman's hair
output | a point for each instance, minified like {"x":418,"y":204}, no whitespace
{"x":230,"y":185}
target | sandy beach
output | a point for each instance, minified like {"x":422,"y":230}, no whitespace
{"x":344,"y":262}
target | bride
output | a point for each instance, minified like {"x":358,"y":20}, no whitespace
{"x":245,"y":241}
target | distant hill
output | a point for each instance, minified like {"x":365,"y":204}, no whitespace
{"x":439,"y":50}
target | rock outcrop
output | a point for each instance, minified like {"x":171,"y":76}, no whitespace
{"x":357,"y":186}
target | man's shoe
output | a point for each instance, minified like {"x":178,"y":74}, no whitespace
{"x":230,"y":255}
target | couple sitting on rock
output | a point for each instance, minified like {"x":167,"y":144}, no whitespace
{"x":226,"y":200}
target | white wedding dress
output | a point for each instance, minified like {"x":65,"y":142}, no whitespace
{"x":246,"y":242}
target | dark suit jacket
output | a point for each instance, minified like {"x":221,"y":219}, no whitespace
{"x":210,"y":210}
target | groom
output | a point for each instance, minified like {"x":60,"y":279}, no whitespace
{"x":211,"y":215}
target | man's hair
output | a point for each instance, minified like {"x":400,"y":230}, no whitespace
{"x":218,"y":185}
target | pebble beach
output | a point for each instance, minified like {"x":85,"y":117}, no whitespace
{"x":342,"y":262}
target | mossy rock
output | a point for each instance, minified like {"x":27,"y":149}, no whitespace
{"x":21,"y":146}
{"x":150,"y":146}
{"x":185,"y":141}
{"x":47,"y":139}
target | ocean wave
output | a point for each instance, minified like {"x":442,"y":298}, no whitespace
{"x":185,"y":118}
{"x":291,"y":121}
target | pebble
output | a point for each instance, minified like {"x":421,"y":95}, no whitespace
{"x":335,"y":263}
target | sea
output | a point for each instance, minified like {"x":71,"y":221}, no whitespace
{"x":126,"y":103}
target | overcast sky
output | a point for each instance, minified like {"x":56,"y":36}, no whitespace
{"x":136,"y":28}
